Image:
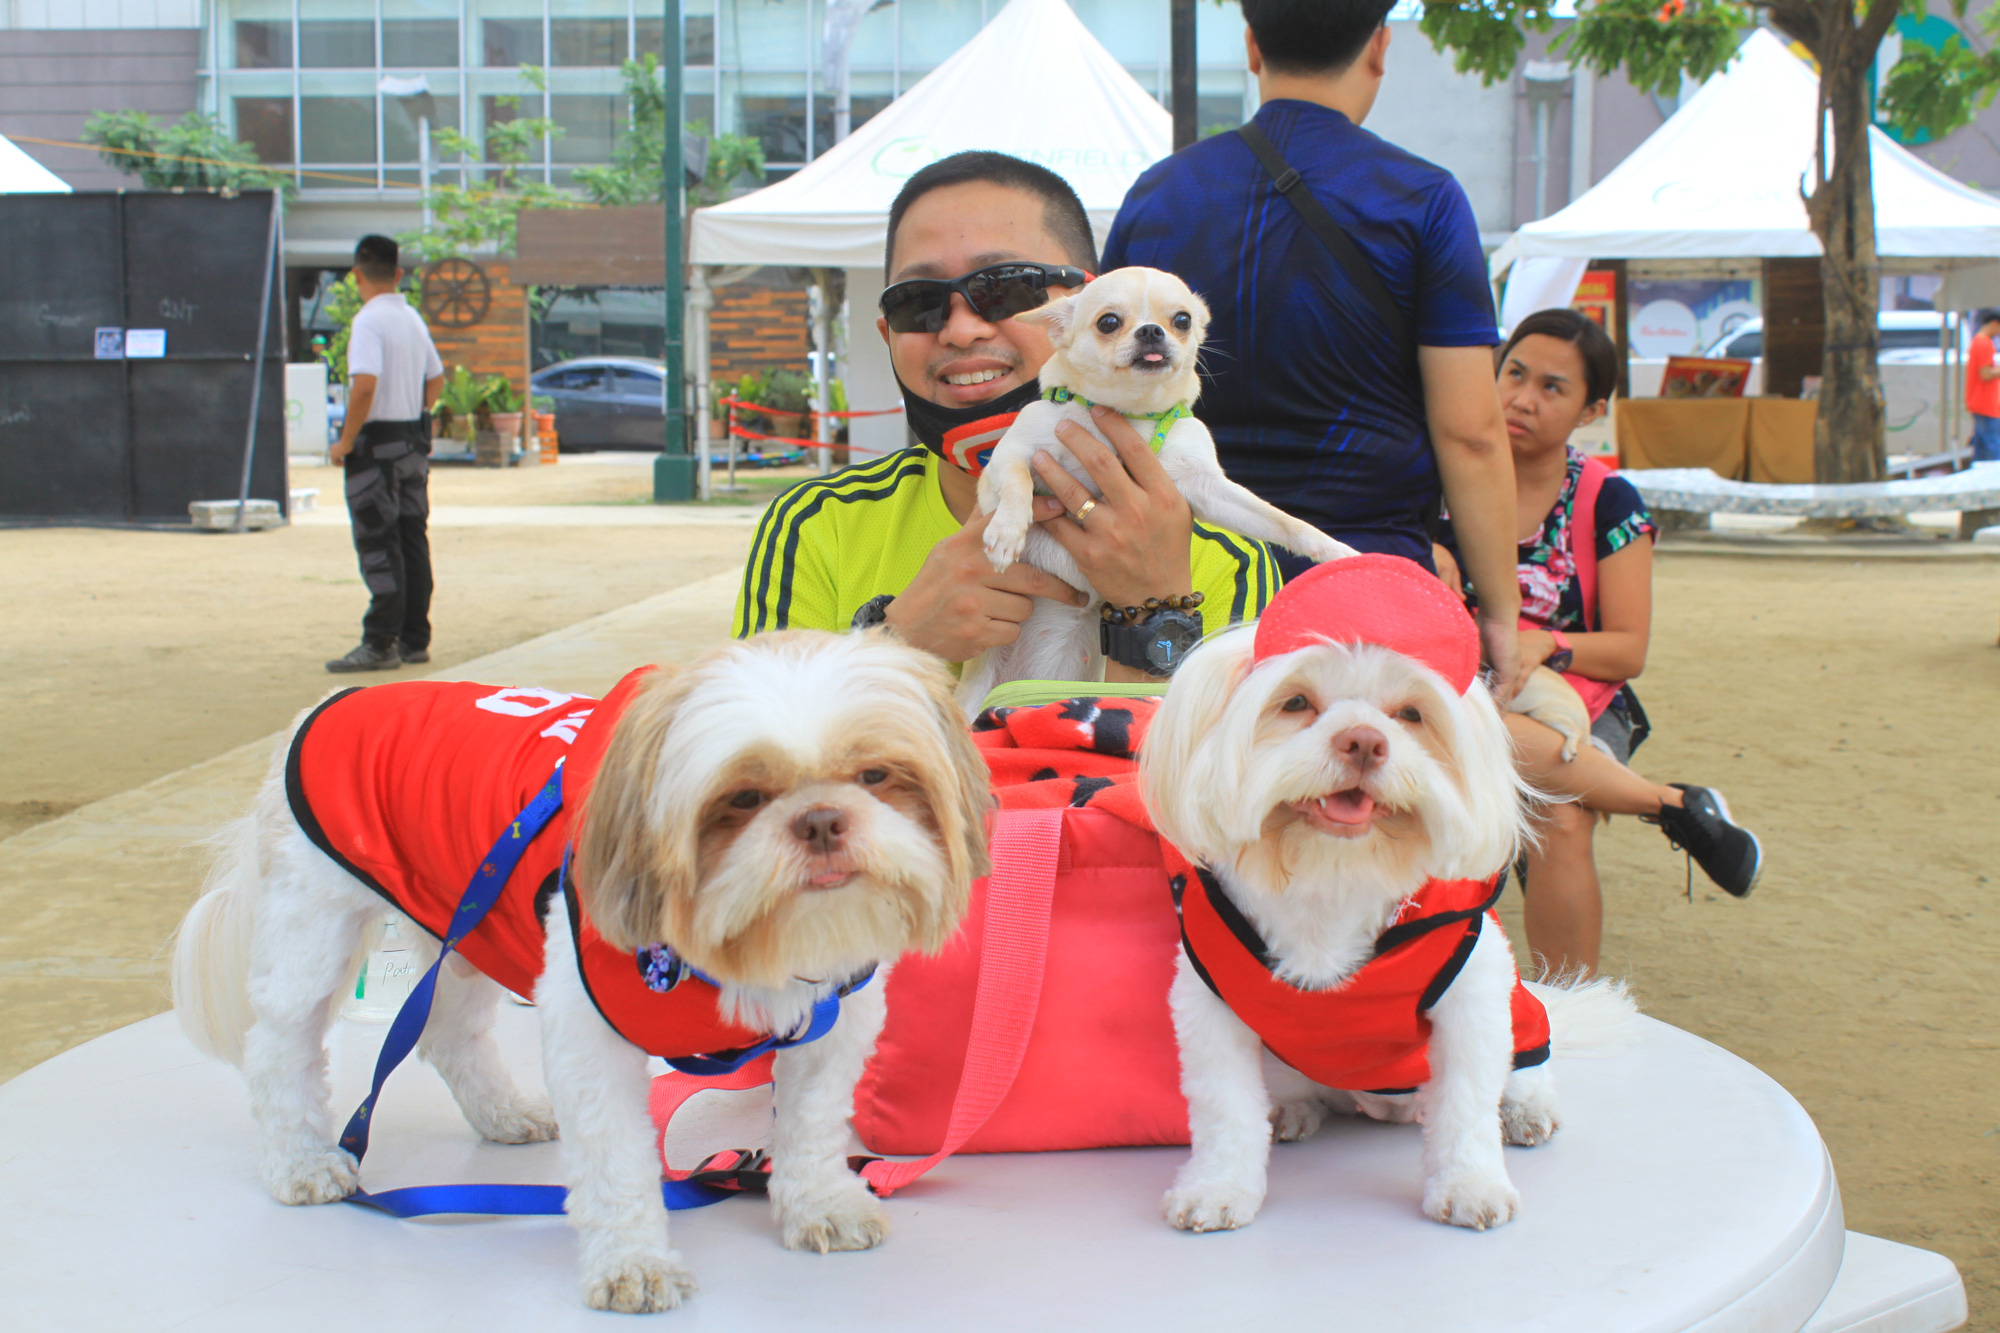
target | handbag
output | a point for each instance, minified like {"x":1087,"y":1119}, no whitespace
{"x":1043,"y":1023}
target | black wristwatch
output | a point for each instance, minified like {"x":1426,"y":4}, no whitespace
{"x":873,"y":612}
{"x":1155,"y":645}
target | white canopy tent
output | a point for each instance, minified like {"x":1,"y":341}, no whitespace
{"x":1034,"y":83}
{"x":1722,"y":180}
{"x":21,"y":174}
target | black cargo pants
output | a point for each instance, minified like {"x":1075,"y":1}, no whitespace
{"x":388,"y":506}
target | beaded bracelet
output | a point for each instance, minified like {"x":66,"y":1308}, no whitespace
{"x":1132,"y":615}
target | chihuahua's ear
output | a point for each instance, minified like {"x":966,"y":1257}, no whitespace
{"x":1057,"y":316}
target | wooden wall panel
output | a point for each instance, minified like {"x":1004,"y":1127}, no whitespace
{"x":1794,"y":324}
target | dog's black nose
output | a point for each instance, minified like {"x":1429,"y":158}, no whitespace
{"x":1150,"y":333}
{"x":820,"y":828}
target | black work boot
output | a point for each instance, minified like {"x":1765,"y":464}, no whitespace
{"x":415,"y":656}
{"x":1727,"y":852}
{"x":368,"y":658}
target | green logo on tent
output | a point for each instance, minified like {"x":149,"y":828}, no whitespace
{"x":903,"y":158}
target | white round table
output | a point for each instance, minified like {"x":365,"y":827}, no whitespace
{"x":1685,"y":1191}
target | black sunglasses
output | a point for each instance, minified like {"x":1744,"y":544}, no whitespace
{"x":996,"y":292}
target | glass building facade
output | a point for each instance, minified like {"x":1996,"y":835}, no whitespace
{"x":337,"y":89}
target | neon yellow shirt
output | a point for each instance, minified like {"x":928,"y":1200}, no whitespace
{"x":828,"y":545}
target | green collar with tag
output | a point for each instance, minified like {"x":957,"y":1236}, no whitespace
{"x":1162,"y":421}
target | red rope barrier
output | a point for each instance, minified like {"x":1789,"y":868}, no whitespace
{"x":733,"y":403}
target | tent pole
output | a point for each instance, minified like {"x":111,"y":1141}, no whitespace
{"x":822,"y":336}
{"x":700,"y":301}
{"x":1182,"y":39}
{"x":257,"y":363}
{"x":673,"y":193}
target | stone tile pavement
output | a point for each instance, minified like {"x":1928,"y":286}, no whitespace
{"x":89,"y":901}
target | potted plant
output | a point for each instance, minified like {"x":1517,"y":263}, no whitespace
{"x":787,"y":395}
{"x":459,"y":404}
{"x":544,"y":408}
{"x":504,"y":404}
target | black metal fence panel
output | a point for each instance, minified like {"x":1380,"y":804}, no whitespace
{"x":88,"y":430}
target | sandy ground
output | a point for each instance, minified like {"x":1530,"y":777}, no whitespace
{"x":137,"y":653}
{"x":1850,"y":710}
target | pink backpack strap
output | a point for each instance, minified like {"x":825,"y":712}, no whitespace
{"x":1013,"y":955}
{"x":1027,"y":845}
{"x":1583,"y":534}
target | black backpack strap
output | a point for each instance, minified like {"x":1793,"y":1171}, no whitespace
{"x":1335,"y":238}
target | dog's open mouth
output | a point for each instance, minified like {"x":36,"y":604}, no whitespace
{"x":1345,"y":814}
{"x":1151,"y":361}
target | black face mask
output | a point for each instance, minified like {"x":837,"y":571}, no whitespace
{"x":943,"y":429}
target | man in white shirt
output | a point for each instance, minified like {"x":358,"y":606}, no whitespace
{"x":393,"y":378}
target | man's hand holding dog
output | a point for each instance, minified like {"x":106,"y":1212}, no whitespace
{"x":1135,"y":542}
{"x":958,"y":605}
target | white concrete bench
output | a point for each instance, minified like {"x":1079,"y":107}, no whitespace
{"x":1699,"y":491}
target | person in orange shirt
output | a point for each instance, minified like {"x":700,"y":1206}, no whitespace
{"x":1982,"y":389}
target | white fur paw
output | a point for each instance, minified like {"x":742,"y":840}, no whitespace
{"x":522,"y":1120}
{"x":645,"y":1285}
{"x":850,"y":1220}
{"x":1212,"y":1207}
{"x":1469,"y":1200}
{"x":1529,"y":1121}
{"x":1293,"y":1121}
{"x":1316,"y":546}
{"x":321,"y":1177}
{"x":1006,"y":535}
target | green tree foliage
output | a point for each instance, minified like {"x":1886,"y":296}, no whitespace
{"x":1654,"y":43}
{"x":482,"y":213}
{"x":1936,"y":91}
{"x":194,"y":154}
{"x":634,"y":176}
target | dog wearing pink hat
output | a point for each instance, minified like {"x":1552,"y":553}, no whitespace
{"x":1339,"y":779}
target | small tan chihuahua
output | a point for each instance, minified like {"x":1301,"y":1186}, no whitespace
{"x":1128,"y":340}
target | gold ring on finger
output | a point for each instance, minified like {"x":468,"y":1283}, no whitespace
{"x":1083,"y":511}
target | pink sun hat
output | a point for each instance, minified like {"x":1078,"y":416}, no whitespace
{"x":1379,"y":599}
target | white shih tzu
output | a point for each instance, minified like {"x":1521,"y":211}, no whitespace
{"x":1343,"y":785}
{"x":1128,"y":340}
{"x":752,"y":833}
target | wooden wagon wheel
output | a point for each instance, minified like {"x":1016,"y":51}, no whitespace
{"x":456,"y":293}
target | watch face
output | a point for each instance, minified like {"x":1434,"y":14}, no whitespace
{"x":1559,"y":662}
{"x":1171,"y":642}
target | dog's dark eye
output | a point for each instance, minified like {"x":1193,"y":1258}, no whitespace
{"x":747,"y":800}
{"x":1108,"y":323}
{"x":1410,"y":713}
{"x":874,"y":777}
{"x":1184,"y":321}
{"x":1298,"y":703}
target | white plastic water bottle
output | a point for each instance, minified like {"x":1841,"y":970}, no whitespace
{"x":386,"y":980}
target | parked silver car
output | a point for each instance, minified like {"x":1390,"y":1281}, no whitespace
{"x":606,"y":402}
{"x":1910,"y":364}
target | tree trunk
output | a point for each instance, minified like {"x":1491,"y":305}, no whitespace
{"x":1848,"y":441}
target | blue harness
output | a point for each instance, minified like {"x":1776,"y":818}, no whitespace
{"x":495,"y":868}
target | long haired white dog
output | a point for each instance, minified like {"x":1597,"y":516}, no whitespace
{"x":1129,"y":340}
{"x":784,"y":815}
{"x":1344,"y":786}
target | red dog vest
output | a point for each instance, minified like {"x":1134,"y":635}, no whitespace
{"x":407,"y":786}
{"x":1369,"y":1033}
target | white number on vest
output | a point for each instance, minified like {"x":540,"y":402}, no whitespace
{"x":523,"y":701}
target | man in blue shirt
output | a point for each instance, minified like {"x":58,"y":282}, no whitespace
{"x":1312,"y":403}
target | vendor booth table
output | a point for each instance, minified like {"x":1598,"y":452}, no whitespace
{"x":1750,"y":439}
{"x":1686,"y":1191}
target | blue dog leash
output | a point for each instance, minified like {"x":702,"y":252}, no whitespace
{"x":495,"y":868}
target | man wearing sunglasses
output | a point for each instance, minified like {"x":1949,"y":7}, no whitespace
{"x":975,"y":239}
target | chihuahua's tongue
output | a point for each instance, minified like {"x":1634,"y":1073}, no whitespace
{"x":1353,"y":806}
{"x":1154,"y":356}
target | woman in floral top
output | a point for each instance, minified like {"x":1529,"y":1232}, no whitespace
{"x":1557,"y":372}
